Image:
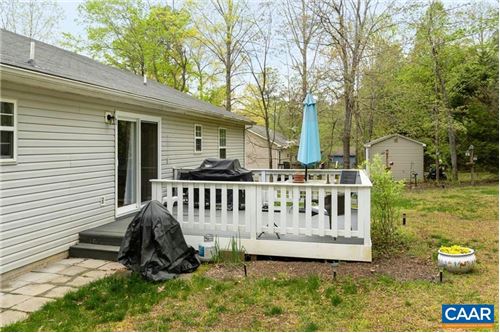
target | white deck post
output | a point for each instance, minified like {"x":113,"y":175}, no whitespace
{"x":364,"y":214}
{"x":251,"y":210}
{"x":156,"y":190}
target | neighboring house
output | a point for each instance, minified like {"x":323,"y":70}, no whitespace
{"x":81,"y":140}
{"x":337,"y":159}
{"x":403,"y":155}
{"x":257,"y":151}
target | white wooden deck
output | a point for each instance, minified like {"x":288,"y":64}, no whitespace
{"x":303,"y":227}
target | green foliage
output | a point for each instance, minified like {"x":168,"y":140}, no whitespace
{"x":148,"y":39}
{"x":273,"y":311}
{"x":385,"y":211}
{"x":233,"y":255}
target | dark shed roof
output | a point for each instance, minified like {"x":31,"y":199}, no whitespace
{"x":54,"y":61}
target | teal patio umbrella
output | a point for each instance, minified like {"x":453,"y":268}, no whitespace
{"x":309,"y":148}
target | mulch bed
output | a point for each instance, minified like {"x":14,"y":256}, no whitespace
{"x":403,"y":268}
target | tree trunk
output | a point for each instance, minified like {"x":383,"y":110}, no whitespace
{"x":444,"y":97}
{"x":346,"y":137}
{"x":228,"y":84}
{"x":228,"y":66}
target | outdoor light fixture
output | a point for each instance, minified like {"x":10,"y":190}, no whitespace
{"x":109,"y":118}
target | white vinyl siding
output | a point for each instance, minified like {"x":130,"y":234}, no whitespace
{"x":66,"y":163}
{"x":407,"y":157}
{"x":257,"y":153}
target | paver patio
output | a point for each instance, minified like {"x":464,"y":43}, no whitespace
{"x":30,"y":291}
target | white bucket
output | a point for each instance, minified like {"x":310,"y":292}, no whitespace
{"x":206,"y":249}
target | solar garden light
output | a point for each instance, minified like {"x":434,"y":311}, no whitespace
{"x":441,"y":275}
{"x":335,"y":264}
{"x":404,"y":218}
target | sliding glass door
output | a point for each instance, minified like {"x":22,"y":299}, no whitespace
{"x":149,"y":157}
{"x":127,"y":165}
{"x":137,"y":160}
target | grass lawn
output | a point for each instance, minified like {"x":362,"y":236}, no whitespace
{"x":311,"y":302}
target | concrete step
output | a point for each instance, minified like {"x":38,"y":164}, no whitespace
{"x":94,"y":251}
{"x":95,"y":237}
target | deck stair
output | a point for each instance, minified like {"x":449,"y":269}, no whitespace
{"x":102,"y":242}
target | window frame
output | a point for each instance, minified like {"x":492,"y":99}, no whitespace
{"x":12,"y":129}
{"x":137,"y":118}
{"x":225,"y":143}
{"x":198,"y":137}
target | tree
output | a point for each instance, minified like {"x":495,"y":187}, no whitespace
{"x":303,"y":26}
{"x":349,"y":26}
{"x":434,"y":29}
{"x":225,"y":29}
{"x":266,"y":79}
{"x":150,"y":40}
{"x":37,"y":19}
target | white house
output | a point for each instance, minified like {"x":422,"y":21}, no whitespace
{"x":84,"y":145}
{"x":81,"y":140}
{"x":405,"y":156}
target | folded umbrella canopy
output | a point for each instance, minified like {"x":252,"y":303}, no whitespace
{"x":309,"y":148}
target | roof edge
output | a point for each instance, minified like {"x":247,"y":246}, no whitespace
{"x":262,"y":137}
{"x":383,"y":138}
{"x":106,"y":91}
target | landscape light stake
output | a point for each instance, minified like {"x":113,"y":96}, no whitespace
{"x":335,"y":265}
{"x":404,"y":218}
{"x":441,"y":275}
{"x":245,"y":269}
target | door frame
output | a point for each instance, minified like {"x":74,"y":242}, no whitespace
{"x":137,"y":118}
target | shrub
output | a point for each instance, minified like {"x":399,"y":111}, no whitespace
{"x":385,"y":209}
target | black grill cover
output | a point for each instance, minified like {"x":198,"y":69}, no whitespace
{"x":215,"y":169}
{"x":154,"y":245}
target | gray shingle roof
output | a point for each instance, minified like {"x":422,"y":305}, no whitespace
{"x":279,"y":138}
{"x":54,"y":61}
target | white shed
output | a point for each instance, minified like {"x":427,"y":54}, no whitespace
{"x":405,"y":156}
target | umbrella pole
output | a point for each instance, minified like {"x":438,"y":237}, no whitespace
{"x":306,"y":174}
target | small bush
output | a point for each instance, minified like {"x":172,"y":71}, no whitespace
{"x":311,"y":327}
{"x":335,"y":299}
{"x":385,"y":203}
{"x":273,"y":311}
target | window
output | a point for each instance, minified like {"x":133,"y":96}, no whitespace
{"x":222,"y":143}
{"x":198,"y":138}
{"x":8,"y":133}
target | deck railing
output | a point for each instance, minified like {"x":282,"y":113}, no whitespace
{"x":275,"y":206}
{"x":284,"y":175}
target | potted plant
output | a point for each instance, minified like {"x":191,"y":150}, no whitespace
{"x":456,"y":259}
{"x":298,"y":177}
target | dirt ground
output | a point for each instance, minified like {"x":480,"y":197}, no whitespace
{"x":403,"y":268}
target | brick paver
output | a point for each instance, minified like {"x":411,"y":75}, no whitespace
{"x":33,"y":289}
{"x":32,"y":304}
{"x":9,"y":300}
{"x":73,"y":271}
{"x":29,"y":292}
{"x":92,"y":263}
{"x":58,"y":292}
{"x":11,"y":316}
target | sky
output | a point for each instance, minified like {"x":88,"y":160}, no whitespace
{"x":68,"y":24}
